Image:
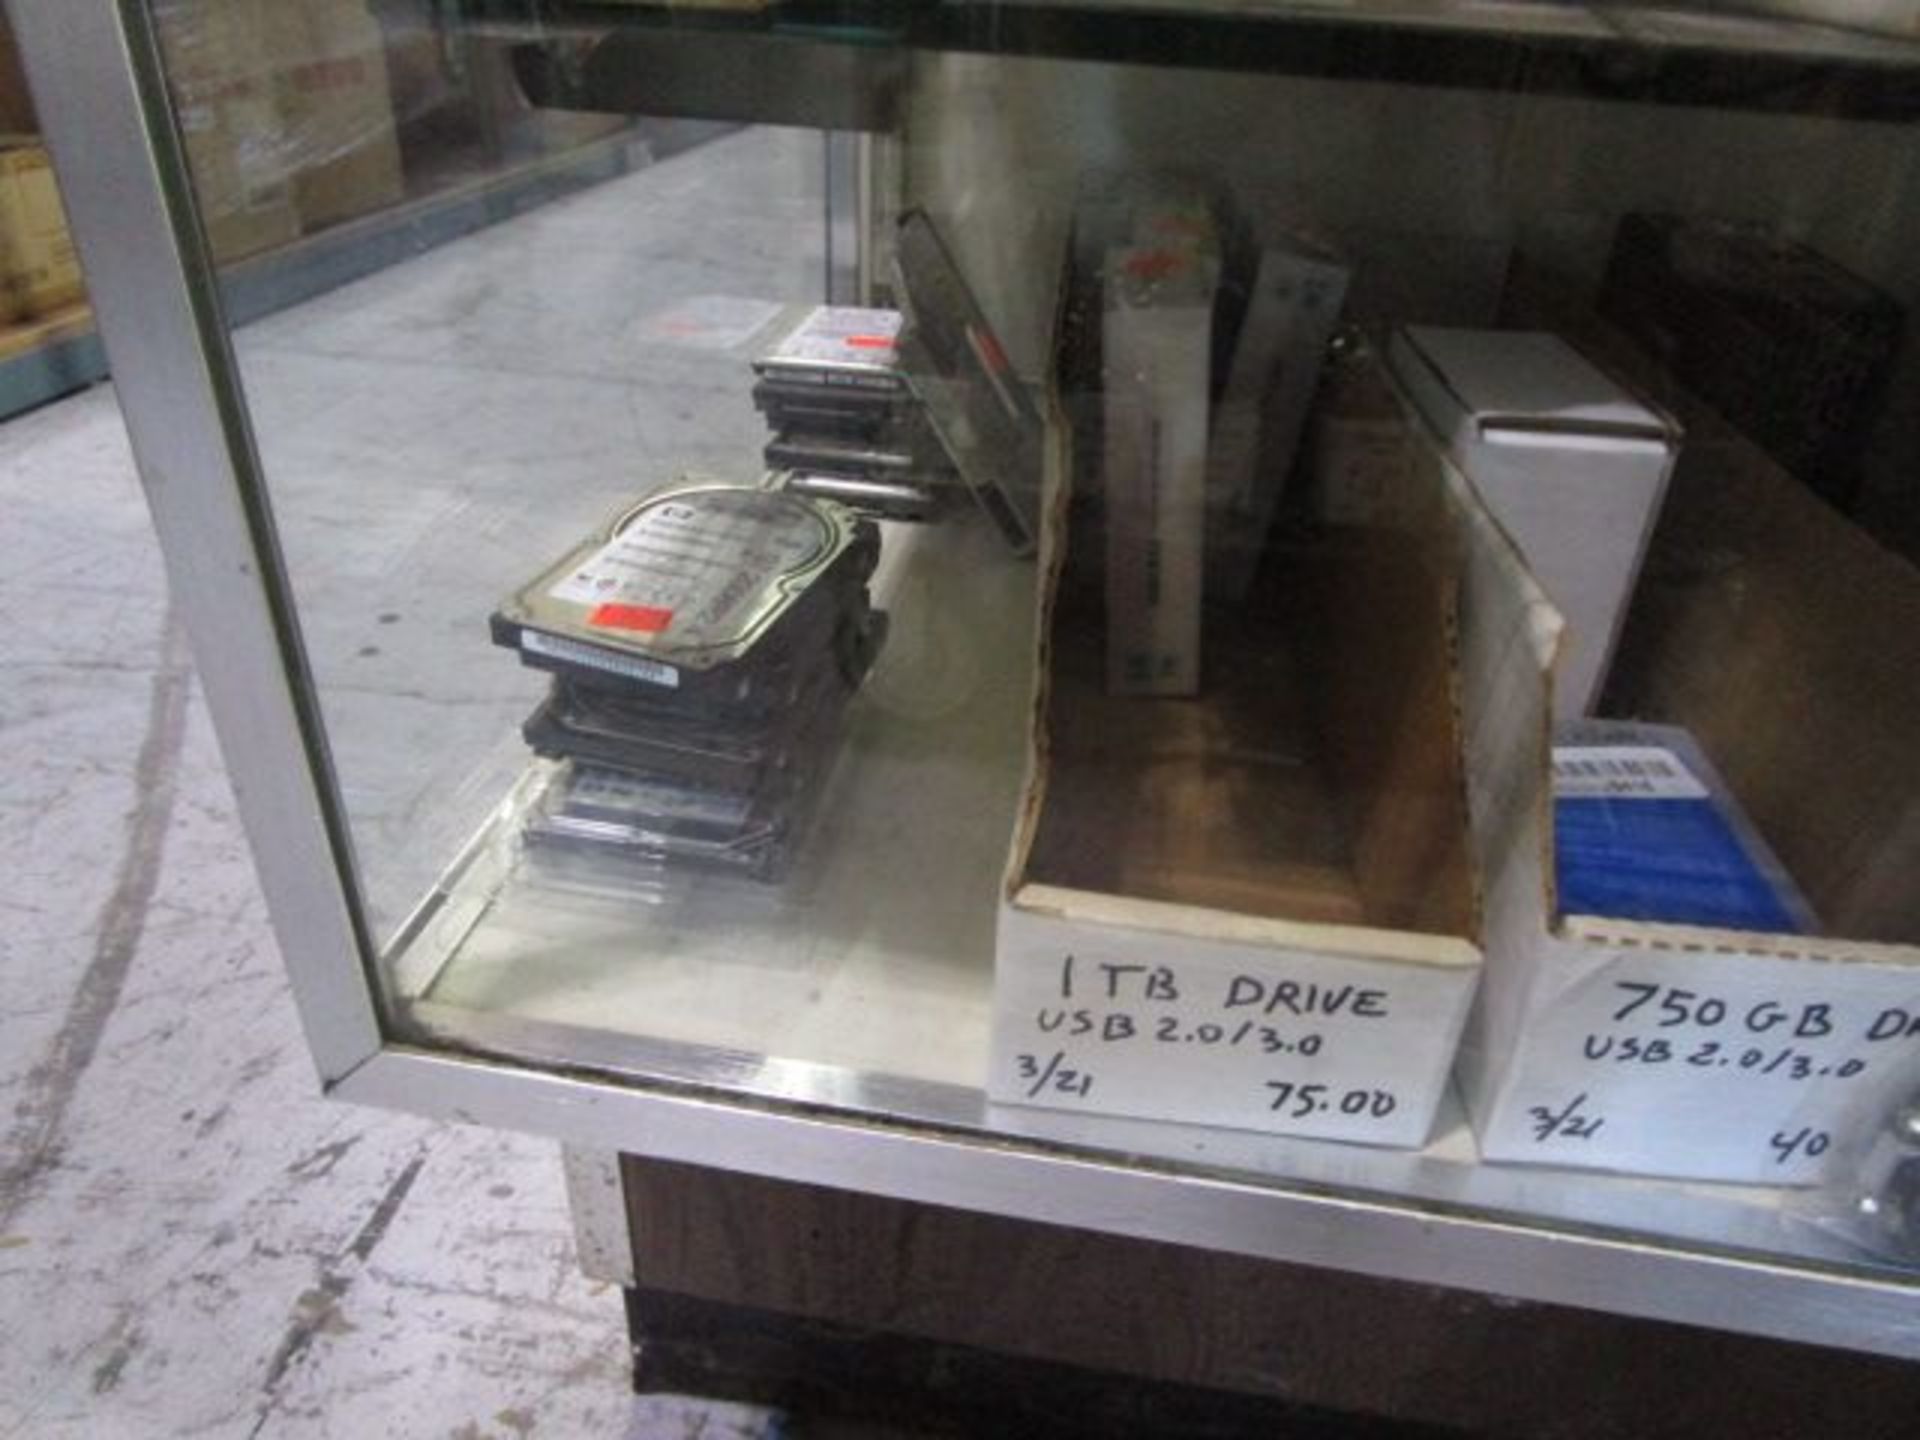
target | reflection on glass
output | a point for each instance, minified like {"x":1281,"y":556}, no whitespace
{"x":1331,"y":567}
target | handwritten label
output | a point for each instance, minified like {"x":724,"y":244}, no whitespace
{"x":1726,"y":1066}
{"x":1122,"y":1022}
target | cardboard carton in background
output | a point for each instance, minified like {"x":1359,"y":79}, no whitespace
{"x":220,"y":68}
{"x":42,"y":270}
{"x":286,"y":114}
{"x":39,"y":271}
{"x":334,"y":96}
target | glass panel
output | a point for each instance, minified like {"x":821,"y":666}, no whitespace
{"x":401,"y":417}
{"x":1263,"y":432}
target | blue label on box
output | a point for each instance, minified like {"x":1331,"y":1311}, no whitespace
{"x":1638,"y":837}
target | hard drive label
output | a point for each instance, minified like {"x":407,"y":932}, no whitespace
{"x":842,"y":335}
{"x":634,"y":667}
{"x":695,"y":573}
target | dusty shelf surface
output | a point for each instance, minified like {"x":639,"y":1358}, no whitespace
{"x":862,"y":988}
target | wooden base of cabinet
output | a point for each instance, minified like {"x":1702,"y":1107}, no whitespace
{"x":847,"y":1303}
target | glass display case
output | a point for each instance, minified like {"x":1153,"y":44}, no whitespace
{"x":1289,"y":627}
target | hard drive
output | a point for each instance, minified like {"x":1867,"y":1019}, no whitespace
{"x":618,"y":821}
{"x":838,"y":347}
{"x":886,"y":458}
{"x":571,"y":724}
{"x":598,"y":813}
{"x":903,"y":500}
{"x":762,"y":688}
{"x":705,"y":591}
{"x":582,"y":721}
{"x":857,"y":413}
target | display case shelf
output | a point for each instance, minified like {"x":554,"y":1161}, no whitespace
{"x":892,"y":1038}
{"x":1650,"y":54}
{"x":858,"y":998}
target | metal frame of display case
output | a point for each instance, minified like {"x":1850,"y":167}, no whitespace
{"x":1666,"y":55}
{"x":97,"y":75}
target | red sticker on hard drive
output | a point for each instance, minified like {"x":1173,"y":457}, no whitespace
{"x":870,"y":342}
{"x":648,"y":619}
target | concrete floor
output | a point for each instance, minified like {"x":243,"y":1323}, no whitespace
{"x":191,"y":1241}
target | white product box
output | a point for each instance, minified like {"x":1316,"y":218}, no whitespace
{"x":1292,"y":308}
{"x":1210,"y":918}
{"x":1570,"y":464}
{"x":1359,"y":456}
{"x":1655,"y":1049}
{"x":1157,"y":356}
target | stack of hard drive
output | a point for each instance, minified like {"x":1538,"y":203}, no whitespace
{"x":704,"y":646}
{"x":846,"y":424}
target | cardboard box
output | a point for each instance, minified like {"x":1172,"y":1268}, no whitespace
{"x":1676,"y":1050}
{"x":1572,"y":466}
{"x":1256,"y":907}
{"x":42,"y":269}
{"x":332,"y":84}
{"x":220,"y":67}
{"x":286,"y":116}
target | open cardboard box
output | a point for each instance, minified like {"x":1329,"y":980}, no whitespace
{"x":1784,"y":641}
{"x":1255,"y":907}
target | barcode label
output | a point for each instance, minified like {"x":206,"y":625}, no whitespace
{"x":1623,"y":772}
{"x":634,"y":667}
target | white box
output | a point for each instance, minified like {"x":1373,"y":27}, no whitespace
{"x":1667,"y":1050}
{"x":1359,"y":460}
{"x":1157,"y":358}
{"x":1291,"y":312}
{"x":1122,"y":1007}
{"x":1202,"y":970}
{"x":1570,"y":464}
